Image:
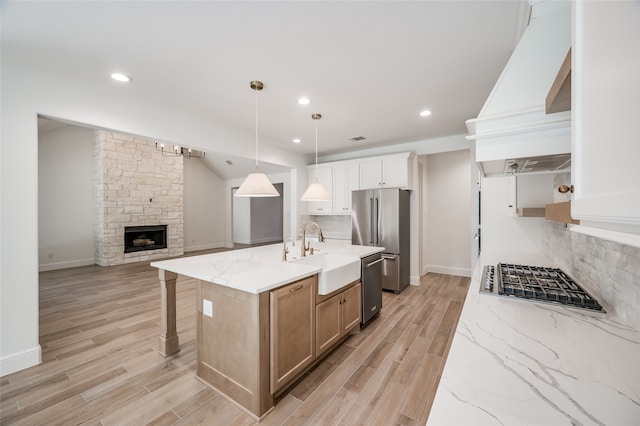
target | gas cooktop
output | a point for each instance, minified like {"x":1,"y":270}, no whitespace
{"x":541,"y":284}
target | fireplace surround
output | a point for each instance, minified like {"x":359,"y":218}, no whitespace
{"x":135,"y":185}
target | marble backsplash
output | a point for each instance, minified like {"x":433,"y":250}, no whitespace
{"x":333,"y":226}
{"x":609,"y":270}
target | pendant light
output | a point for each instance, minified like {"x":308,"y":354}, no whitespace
{"x":256,"y":184}
{"x":315,"y":191}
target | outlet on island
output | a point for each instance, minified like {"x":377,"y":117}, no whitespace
{"x":207,"y":308}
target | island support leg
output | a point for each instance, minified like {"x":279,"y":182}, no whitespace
{"x":169,"y":335}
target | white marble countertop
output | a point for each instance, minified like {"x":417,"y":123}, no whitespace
{"x":516,"y":362}
{"x":258,"y":269}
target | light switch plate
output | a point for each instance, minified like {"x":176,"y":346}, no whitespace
{"x":207,"y":308}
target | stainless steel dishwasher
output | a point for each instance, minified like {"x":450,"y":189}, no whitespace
{"x":371,"y":278}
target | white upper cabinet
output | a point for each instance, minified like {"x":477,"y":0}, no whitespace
{"x":325,"y":177}
{"x":386,"y":172}
{"x":341,"y":178}
{"x":346,"y":178}
{"x":605,"y":110}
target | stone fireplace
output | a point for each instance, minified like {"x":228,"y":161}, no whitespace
{"x":136,"y":186}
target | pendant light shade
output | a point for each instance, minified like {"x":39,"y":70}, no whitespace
{"x":315,"y":191}
{"x":256,"y":184}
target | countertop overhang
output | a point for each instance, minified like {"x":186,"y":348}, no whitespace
{"x":257,"y":269}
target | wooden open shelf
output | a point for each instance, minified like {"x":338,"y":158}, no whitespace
{"x":559,"y":96}
{"x":560,"y":212}
{"x":530,"y":211}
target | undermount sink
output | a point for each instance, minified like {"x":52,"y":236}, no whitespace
{"x":337,"y":271}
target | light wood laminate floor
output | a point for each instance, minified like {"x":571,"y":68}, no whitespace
{"x":99,"y":331}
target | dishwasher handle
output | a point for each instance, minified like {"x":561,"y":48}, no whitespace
{"x":368,"y":265}
{"x":389,"y":257}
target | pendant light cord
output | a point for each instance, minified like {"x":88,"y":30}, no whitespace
{"x":316,"y":151}
{"x":256,"y":131}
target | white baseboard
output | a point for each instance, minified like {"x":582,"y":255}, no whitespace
{"x":67,"y":264}
{"x":204,"y":247}
{"x":20,"y":360}
{"x":448,"y":270}
{"x":414,"y":280}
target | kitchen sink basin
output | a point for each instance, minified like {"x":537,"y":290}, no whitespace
{"x":337,"y":271}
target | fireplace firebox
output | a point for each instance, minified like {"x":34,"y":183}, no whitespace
{"x":139,"y":238}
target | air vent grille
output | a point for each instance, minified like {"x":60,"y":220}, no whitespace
{"x":546,"y":163}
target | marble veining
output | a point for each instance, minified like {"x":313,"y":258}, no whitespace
{"x":256,"y":269}
{"x":526,"y":363}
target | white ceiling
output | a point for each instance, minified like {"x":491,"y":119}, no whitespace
{"x":368,"y":67}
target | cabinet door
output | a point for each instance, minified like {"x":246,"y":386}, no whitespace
{"x":328,"y":327}
{"x":395,"y":173}
{"x":370,"y":174}
{"x":325,"y":177}
{"x":605,"y":110}
{"x":351,"y":308}
{"x":292,"y":331}
{"x":346,"y":178}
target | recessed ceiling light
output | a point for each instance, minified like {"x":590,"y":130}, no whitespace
{"x":121,"y":77}
{"x":296,"y":140}
{"x":425,"y":113}
{"x":304,"y":101}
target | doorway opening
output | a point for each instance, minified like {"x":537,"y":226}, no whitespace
{"x":257,"y":220}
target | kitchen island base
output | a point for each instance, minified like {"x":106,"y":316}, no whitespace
{"x":252,"y":348}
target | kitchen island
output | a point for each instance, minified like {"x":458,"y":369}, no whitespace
{"x":261,"y":322}
{"x":516,"y":362}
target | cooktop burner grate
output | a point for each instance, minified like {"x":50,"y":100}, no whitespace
{"x":536,"y":283}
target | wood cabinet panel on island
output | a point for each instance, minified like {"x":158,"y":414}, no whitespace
{"x":292,"y":331}
{"x":233,"y":344}
{"x":337,"y":316}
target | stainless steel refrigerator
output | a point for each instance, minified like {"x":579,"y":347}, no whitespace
{"x":380,"y":217}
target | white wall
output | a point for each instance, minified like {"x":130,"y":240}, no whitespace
{"x":26,"y":94}
{"x":204,"y":207}
{"x":65,"y":198}
{"x":505,"y":235}
{"x":448,"y":209}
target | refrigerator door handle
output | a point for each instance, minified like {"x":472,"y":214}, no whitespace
{"x":377,"y":224}
{"x":372,"y":224}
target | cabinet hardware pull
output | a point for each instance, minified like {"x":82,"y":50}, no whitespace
{"x":298,"y":287}
{"x":564,"y":189}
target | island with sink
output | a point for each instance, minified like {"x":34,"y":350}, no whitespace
{"x":265,"y":315}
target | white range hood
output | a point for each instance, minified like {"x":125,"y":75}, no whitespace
{"x":512,"y":123}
